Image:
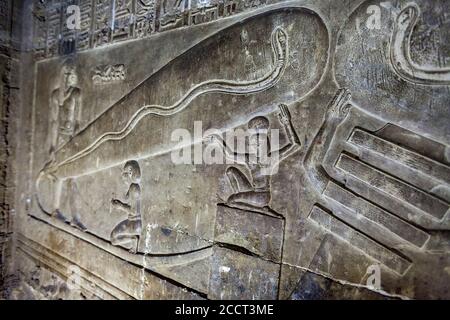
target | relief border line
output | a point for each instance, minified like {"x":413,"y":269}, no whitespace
{"x":156,"y":264}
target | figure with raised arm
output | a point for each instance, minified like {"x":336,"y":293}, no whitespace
{"x":254,"y":192}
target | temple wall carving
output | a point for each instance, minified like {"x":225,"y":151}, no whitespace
{"x":133,"y":189}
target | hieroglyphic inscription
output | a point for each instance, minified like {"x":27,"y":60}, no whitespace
{"x":377,"y":184}
{"x":53,"y":30}
{"x":39,"y":29}
{"x":145,"y":15}
{"x":83,"y":35}
{"x":102,"y":22}
{"x":106,"y":21}
{"x":123,"y":20}
{"x":68,"y":35}
{"x":5,"y":9}
{"x":401,"y":56}
{"x":109,"y":73}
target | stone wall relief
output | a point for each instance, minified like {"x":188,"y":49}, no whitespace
{"x":65,"y":118}
{"x":245,"y":221}
{"x":54,"y":29}
{"x":65,"y":108}
{"x":407,"y":54}
{"x":249,"y":60}
{"x":377,"y":166}
{"x":123,"y":20}
{"x":253,"y":191}
{"x":258,"y":239}
{"x":83,"y":36}
{"x":102,"y":20}
{"x":205,"y":11}
{"x":128,"y":232}
{"x":106,"y":74}
{"x":400,"y":54}
{"x":44,"y":285}
{"x":378,"y":190}
{"x":145,"y":17}
{"x":64,"y":184}
{"x":39,"y":30}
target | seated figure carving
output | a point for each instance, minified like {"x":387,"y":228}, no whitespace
{"x":73,"y":196}
{"x":127,"y":232}
{"x":254,"y":193}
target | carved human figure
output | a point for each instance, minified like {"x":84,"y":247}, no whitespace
{"x":65,"y":106}
{"x":65,"y":116}
{"x":72,"y":197}
{"x":169,"y":6}
{"x":145,"y":17}
{"x":254,"y":192}
{"x":249,"y":63}
{"x":127,"y":232}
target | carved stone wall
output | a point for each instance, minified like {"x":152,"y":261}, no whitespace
{"x":5,"y":18}
{"x":125,"y":119}
{"x":9,"y":82}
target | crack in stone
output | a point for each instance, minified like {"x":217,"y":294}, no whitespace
{"x":344,"y":282}
{"x":316,"y":272}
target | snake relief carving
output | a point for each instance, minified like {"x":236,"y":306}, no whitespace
{"x":400,"y":52}
{"x":279,"y":42}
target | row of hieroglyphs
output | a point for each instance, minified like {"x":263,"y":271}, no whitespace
{"x":109,"y":73}
{"x":98,"y":22}
{"x":62,"y":27}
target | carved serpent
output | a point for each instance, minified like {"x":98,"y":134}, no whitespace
{"x":400,"y":52}
{"x":279,"y":42}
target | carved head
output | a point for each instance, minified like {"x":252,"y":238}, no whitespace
{"x":71,"y":78}
{"x":131,"y":172}
{"x":258,"y":129}
{"x":244,"y":37}
{"x":259,"y":123}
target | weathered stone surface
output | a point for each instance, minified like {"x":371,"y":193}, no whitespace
{"x":314,"y":287}
{"x":238,"y":276}
{"x":260,"y":234}
{"x":351,"y":101}
{"x":8,"y":95}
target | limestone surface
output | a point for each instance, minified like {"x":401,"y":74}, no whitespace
{"x":225,"y":149}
